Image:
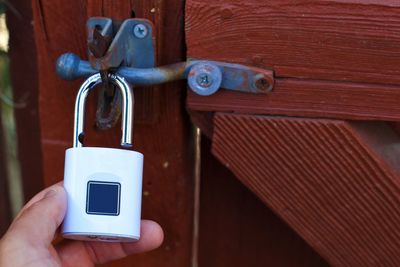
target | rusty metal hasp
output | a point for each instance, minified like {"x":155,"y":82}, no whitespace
{"x":127,"y":49}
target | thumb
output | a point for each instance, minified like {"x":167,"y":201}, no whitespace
{"x":38,"y":222}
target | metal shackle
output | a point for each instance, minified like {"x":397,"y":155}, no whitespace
{"x":127,"y":108}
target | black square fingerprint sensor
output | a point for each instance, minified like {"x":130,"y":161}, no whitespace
{"x":103,"y":198}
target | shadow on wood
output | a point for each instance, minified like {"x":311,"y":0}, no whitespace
{"x":325,"y":178}
{"x":237,"y":229}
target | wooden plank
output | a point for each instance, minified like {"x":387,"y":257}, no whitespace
{"x":332,"y":59}
{"x":325,"y":178}
{"x":353,"y":40}
{"x":293,"y":97}
{"x":237,"y":229}
{"x":23,"y":67}
{"x":168,"y":183}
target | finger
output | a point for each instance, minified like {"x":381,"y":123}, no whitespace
{"x":89,"y":253}
{"x":37,"y":197}
{"x":37,"y":223}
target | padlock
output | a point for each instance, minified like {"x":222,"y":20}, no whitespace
{"x":103,"y":185}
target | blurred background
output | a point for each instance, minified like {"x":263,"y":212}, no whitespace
{"x":8,"y":131}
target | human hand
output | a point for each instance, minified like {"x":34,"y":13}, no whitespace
{"x":28,"y":240}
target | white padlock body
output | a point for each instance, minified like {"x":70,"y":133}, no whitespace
{"x":104,"y":189}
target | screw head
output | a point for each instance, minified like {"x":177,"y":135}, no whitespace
{"x":204,"y":79}
{"x":140,"y":31}
{"x":262,"y":84}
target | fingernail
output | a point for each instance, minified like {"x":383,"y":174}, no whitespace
{"x":50,"y":193}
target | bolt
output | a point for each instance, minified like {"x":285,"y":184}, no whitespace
{"x":140,"y":31}
{"x":262,"y":84}
{"x":204,"y":79}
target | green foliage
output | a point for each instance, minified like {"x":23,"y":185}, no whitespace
{"x":4,"y":70}
{"x":6,"y":105}
{"x":8,"y":128}
{"x":3,"y":7}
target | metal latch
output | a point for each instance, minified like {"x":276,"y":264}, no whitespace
{"x":127,"y":49}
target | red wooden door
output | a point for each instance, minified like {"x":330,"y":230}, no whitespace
{"x":313,"y":189}
{"x":332,"y":178}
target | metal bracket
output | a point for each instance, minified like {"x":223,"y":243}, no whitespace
{"x":131,"y":55}
{"x":204,"y":77}
{"x":112,"y":44}
{"x":131,"y":45}
{"x":127,"y":49}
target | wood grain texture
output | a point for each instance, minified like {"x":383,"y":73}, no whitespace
{"x":168,"y":183}
{"x":23,"y":67}
{"x":335,"y":59}
{"x":326,"y":40}
{"x":237,"y":229}
{"x":295,"y":97}
{"x":325,"y":178}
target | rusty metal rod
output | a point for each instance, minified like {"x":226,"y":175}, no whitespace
{"x":70,"y":67}
{"x":218,"y":74}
